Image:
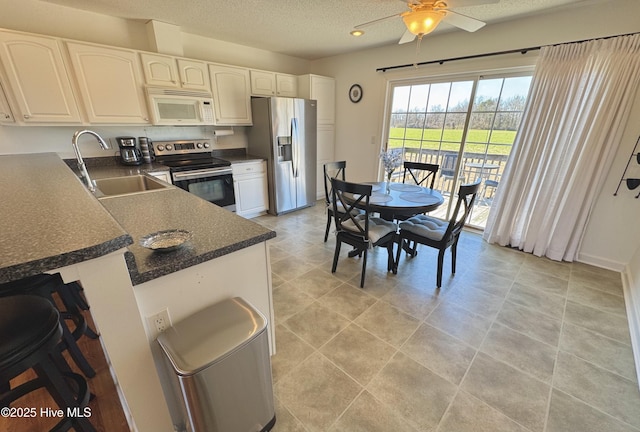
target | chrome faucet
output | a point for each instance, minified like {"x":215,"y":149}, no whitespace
{"x":81,"y":166}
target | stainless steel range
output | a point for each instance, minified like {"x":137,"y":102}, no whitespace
{"x":195,"y":170}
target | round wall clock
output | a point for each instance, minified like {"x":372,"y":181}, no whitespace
{"x":355,"y":93}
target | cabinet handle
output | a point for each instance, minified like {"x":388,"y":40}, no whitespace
{"x":27,"y":117}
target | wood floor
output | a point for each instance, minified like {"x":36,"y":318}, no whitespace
{"x":106,"y":411}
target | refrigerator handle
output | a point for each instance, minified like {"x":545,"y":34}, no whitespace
{"x":294,"y":146}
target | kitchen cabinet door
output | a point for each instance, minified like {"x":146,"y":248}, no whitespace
{"x":38,"y":79}
{"x":287,"y":85}
{"x":110,"y":82}
{"x":6,"y":116}
{"x":231,"y":90}
{"x":250,"y":188}
{"x":322,"y":89}
{"x":263,"y":83}
{"x":325,"y":153}
{"x":159,"y":70}
{"x":193,"y":75}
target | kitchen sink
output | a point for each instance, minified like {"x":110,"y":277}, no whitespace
{"x":127,"y":185}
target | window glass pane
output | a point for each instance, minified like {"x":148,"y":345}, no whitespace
{"x":454,"y":123}
{"x":487,"y":95}
{"x":479,"y":127}
{"x":506,"y":123}
{"x":434,"y":121}
{"x":415,"y":120}
{"x":400,"y":99}
{"x":439,"y":97}
{"x":514,"y":93}
{"x":459,"y":99}
{"x":398,"y":121}
{"x":419,"y":96}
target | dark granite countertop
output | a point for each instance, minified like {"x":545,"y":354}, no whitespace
{"x":238,"y":155}
{"x":216,"y":231}
{"x":58,"y":222}
{"x":50,"y":219}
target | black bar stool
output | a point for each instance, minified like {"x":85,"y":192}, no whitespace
{"x":30,"y":332}
{"x":44,"y":285}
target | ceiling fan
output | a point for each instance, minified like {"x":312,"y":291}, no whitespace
{"x":425,"y":15}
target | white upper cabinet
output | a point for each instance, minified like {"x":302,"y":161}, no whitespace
{"x":322,"y":89}
{"x":37,"y":78}
{"x":159,"y":70}
{"x":264,"y":83}
{"x":287,"y":85}
{"x":111,"y":83}
{"x":231,"y":90}
{"x":166,"y":71}
{"x":6,"y":116}
{"x":193,"y":75}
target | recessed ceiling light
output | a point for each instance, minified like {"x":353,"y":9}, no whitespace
{"x":357,"y":32}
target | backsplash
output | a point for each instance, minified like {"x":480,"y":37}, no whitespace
{"x":57,"y":139}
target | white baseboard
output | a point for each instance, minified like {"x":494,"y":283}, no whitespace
{"x":632,"y":303}
{"x":601,"y":262}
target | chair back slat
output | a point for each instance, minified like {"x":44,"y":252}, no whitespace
{"x":423,"y":174}
{"x":331,"y":170}
{"x":352,"y":196}
{"x":466,"y":197}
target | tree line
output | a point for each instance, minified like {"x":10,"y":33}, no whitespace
{"x":484,"y":115}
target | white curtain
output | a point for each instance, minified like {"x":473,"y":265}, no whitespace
{"x":579,"y":102}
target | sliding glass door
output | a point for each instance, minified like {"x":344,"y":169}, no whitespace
{"x":435,"y":122}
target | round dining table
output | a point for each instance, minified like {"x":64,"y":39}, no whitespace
{"x":401,"y":199}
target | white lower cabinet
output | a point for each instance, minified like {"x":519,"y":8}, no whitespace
{"x":250,"y":188}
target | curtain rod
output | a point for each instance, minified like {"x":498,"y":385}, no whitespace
{"x":513,"y":51}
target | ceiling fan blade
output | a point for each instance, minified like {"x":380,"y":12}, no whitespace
{"x":407,"y":37}
{"x":462,"y":21}
{"x":465,"y":3}
{"x":377,"y":21}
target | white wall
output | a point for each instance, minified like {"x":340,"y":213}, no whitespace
{"x":613,"y":234}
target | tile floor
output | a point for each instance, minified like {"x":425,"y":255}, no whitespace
{"x":511,"y":343}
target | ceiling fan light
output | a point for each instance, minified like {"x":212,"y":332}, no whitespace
{"x":422,"y":22}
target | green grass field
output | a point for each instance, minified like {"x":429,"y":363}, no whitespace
{"x":499,"y":142}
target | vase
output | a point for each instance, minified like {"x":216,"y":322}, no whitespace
{"x":388,"y":185}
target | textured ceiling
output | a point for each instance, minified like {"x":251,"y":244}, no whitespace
{"x":301,"y":28}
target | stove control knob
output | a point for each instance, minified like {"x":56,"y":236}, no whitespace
{"x":169,"y":147}
{"x":206,"y":145}
{"x":160,"y":147}
{"x":199,"y":145}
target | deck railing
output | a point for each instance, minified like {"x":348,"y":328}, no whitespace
{"x":447,"y":160}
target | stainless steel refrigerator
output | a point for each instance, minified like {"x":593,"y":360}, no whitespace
{"x":284,"y":133}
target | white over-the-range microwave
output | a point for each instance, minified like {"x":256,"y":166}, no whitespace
{"x":170,"y":106}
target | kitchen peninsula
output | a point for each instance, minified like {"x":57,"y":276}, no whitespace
{"x":52,"y":223}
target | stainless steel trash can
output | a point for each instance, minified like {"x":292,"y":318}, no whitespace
{"x":218,"y":360}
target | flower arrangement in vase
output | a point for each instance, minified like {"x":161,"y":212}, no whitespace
{"x":391,"y":159}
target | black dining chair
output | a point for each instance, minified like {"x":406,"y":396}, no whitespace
{"x":360,"y":230}
{"x":437,"y":233}
{"x":337,"y":170}
{"x":422,"y":174}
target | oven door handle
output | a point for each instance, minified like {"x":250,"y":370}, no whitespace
{"x":203,"y":173}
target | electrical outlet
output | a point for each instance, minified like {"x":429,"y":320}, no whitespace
{"x":160,"y":321}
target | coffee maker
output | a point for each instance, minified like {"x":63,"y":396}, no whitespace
{"x":129,"y":151}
